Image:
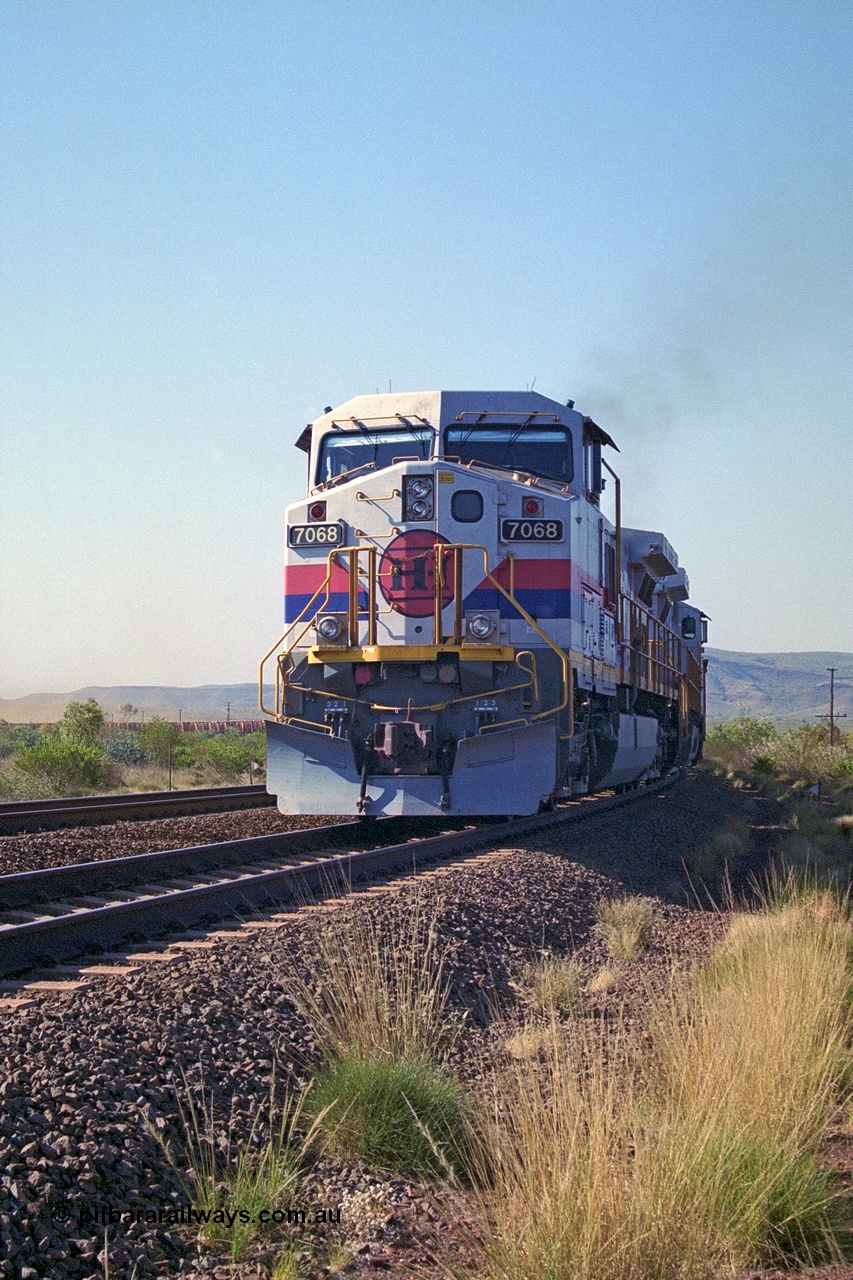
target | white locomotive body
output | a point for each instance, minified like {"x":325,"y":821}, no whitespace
{"x":466,"y":632}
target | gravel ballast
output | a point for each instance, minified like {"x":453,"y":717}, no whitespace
{"x":92,"y":1078}
{"x":123,"y":839}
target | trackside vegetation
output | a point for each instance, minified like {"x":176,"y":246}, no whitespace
{"x":82,"y":754}
{"x":690,"y":1153}
{"x":810,"y":778}
{"x":375,"y":997}
{"x":796,"y":758}
{"x":230,"y":1187}
{"x":684,"y":1148}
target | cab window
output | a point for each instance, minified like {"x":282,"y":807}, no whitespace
{"x":349,"y":451}
{"x":540,"y":451}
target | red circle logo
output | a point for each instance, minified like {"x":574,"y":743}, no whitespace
{"x":407,"y":573}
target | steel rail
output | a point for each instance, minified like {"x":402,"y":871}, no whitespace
{"x":296,"y":871}
{"x":31,"y":815}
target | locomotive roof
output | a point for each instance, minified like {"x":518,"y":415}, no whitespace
{"x":440,"y":408}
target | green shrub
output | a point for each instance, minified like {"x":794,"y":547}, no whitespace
{"x":186,"y":753}
{"x":124,"y":746}
{"x":13,"y":736}
{"x":229,"y":753}
{"x":63,"y":765}
{"x":402,"y":1114}
{"x":82,"y":722}
{"x":156,"y":738}
{"x":734,"y":743}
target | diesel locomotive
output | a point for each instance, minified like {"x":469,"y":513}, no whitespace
{"x":466,"y":632}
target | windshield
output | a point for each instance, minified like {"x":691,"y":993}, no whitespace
{"x":352,"y":450}
{"x":542,"y":451}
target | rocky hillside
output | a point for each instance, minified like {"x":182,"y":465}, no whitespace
{"x":790,"y":687}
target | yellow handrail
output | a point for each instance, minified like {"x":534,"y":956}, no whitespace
{"x":281,"y":640}
{"x":565,"y":661}
{"x":440,"y":552}
{"x":448,"y":702}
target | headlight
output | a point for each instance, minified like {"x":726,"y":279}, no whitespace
{"x":329,"y":628}
{"x":418,"y":503}
{"x":480,"y":626}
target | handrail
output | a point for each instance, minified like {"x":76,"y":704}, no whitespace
{"x":660,"y":651}
{"x":565,"y":661}
{"x":448,"y":702}
{"x":441,"y":553}
{"x":323,"y":587}
{"x":618,"y":548}
{"x":661,"y":662}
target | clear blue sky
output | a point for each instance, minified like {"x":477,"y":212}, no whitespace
{"x":218,"y":217}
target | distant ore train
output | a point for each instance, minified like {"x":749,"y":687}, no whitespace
{"x":466,"y":631}
{"x":199,"y":726}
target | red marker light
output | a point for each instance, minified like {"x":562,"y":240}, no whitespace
{"x":317,"y":511}
{"x":363,"y":675}
{"x":533,"y":506}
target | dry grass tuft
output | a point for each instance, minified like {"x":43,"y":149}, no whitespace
{"x":375,"y":986}
{"x":553,"y":985}
{"x":764,"y":1024}
{"x":626,"y":925}
{"x":528,"y":1043}
{"x":604,"y":981}
{"x":607,"y":1163}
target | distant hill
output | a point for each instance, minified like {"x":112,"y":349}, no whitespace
{"x":204,"y":702}
{"x":789,"y":687}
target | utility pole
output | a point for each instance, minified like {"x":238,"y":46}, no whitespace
{"x":832,"y":717}
{"x":228,"y":713}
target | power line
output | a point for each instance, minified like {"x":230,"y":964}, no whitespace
{"x":833,"y":715}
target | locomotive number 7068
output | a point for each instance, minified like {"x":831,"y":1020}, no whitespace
{"x":532,"y":530}
{"x":315,"y":535}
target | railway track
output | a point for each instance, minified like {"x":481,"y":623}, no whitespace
{"x":61,"y":912}
{"x":48,"y":815}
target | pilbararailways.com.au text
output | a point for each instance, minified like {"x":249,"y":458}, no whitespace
{"x":104,"y":1214}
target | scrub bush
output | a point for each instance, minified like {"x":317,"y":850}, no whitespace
{"x":64,"y":766}
{"x":124,"y":746}
{"x":82,"y":722}
{"x":229,"y":753}
{"x":13,"y":736}
{"x":156,"y":737}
